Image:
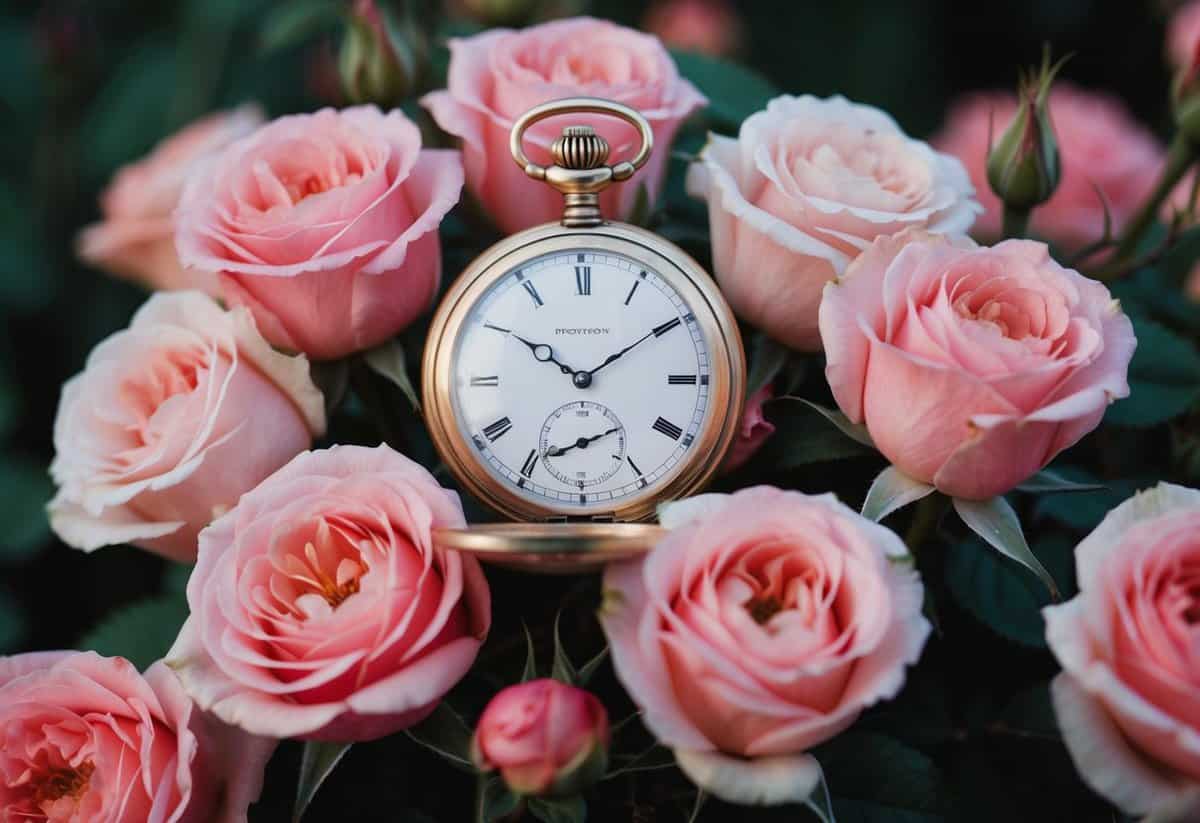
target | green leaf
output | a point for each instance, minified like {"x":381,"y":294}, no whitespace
{"x":701,"y":799}
{"x":1085,"y":511}
{"x":27,"y":281}
{"x":767,"y":359}
{"x":332,"y":378}
{"x":880,"y":770}
{"x":1049,"y":482}
{"x":1164,"y":377}
{"x":855,"y":431}
{"x":589,"y":668}
{"x":494,"y":801}
{"x":891,"y":491}
{"x":995,"y":521}
{"x":564,"y":670}
{"x":1031,"y":712}
{"x":175,"y":579}
{"x":804,"y":435}
{"x":530,"y":670}
{"x":318,"y":762}
{"x":387,"y":360}
{"x":290,"y":24}
{"x":1002,"y":596}
{"x":141,"y":633}
{"x":444,"y":733}
{"x":25,"y":488}
{"x":819,"y":802}
{"x":128,"y":116}
{"x":558,"y":810}
{"x":734,"y":92}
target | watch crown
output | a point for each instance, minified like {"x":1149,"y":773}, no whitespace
{"x":579,"y":147}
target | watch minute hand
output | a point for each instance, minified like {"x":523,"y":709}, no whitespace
{"x":657,"y":331}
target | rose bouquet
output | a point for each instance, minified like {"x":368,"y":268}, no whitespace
{"x":950,"y":564}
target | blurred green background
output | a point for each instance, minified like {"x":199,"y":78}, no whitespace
{"x":89,"y":85}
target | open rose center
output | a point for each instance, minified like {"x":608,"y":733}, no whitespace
{"x":329,"y":566}
{"x":297,"y":170}
{"x":53,"y":785}
{"x":152,"y":400}
{"x":783,"y":582}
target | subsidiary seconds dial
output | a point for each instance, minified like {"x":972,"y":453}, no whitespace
{"x":581,"y":378}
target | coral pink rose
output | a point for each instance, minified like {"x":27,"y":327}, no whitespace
{"x":544,"y":737}
{"x":320,"y":607}
{"x":1128,"y":700}
{"x":1101,"y":149}
{"x":805,"y":187}
{"x":84,"y":737}
{"x":1183,"y":34}
{"x":325,"y":225}
{"x":171,"y":421}
{"x":707,"y":26}
{"x":762,"y":625}
{"x":972,"y":367}
{"x":498,"y":75}
{"x":136,"y":236}
{"x":755,"y":429}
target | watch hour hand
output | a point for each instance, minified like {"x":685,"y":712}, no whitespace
{"x":544,"y":354}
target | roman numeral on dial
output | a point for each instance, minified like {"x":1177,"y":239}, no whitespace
{"x":637,"y":471}
{"x":662,"y":426}
{"x":486,"y":380}
{"x":530,"y":463}
{"x":583,"y":280}
{"x":494,"y":431}
{"x":681,"y":379}
{"x":533,"y":293}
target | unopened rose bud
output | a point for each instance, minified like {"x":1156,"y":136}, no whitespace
{"x":544,"y":737}
{"x":501,"y":12}
{"x":1185,"y":97}
{"x":1023,"y":166}
{"x":382,"y":59}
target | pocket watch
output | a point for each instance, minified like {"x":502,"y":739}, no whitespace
{"x":577,"y":374}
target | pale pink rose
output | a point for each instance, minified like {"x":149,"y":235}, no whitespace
{"x":136,"y":235}
{"x":1101,"y":148}
{"x":325,"y":225}
{"x":706,"y":26}
{"x":754,"y":430}
{"x":805,"y":187}
{"x":762,"y":625}
{"x":544,"y":737}
{"x":171,"y":420}
{"x":1183,"y":34}
{"x":1128,"y":700}
{"x":498,"y":75}
{"x":320,"y":606}
{"x":87,"y":738}
{"x":971,"y":366}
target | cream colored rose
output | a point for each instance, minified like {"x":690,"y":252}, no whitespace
{"x":805,"y":187}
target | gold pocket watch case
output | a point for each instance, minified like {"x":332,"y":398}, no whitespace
{"x":578,"y":457}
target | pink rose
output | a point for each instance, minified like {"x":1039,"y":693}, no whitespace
{"x":544,"y":736}
{"x":84,"y":737}
{"x":1101,"y":148}
{"x":762,"y":625}
{"x":706,"y":26}
{"x":755,"y":429}
{"x":972,"y":367}
{"x":498,"y":75}
{"x":136,"y":237}
{"x":1183,"y":34}
{"x":1128,"y":699}
{"x":805,"y":187}
{"x":325,"y":225}
{"x":320,"y":607}
{"x":171,"y":421}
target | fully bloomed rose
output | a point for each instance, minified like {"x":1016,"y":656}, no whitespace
{"x":498,"y":75}
{"x":805,"y":187}
{"x":171,"y":421}
{"x":87,"y":738}
{"x":544,"y":737}
{"x":136,"y":235}
{"x":325,"y":225}
{"x":1106,"y":156}
{"x":1128,"y":699}
{"x":762,"y":625}
{"x":971,"y":366}
{"x":320,"y":607}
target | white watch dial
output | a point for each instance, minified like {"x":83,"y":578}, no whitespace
{"x":581,"y":378}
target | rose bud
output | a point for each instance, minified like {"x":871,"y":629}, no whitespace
{"x":1183,"y":31}
{"x":753,"y":431}
{"x":381,"y":60}
{"x":1023,"y":167}
{"x":1128,"y":698}
{"x":706,"y":26}
{"x":545,"y":738}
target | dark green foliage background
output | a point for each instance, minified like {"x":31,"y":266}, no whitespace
{"x":87,"y":85}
